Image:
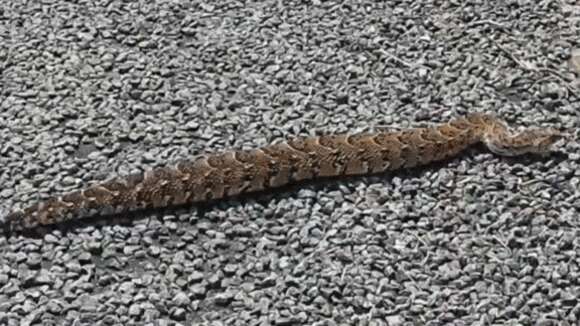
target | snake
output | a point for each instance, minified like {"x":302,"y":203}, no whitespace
{"x":234,"y":172}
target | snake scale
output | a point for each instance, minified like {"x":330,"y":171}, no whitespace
{"x":232,"y":173}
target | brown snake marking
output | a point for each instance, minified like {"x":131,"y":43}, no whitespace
{"x":231,"y":173}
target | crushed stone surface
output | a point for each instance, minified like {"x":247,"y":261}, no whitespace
{"x":93,"y":89}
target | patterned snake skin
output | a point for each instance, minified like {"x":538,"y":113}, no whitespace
{"x":231,"y":173}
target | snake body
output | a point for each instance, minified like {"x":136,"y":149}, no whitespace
{"x":232,"y":173}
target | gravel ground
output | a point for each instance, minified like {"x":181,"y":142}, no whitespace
{"x":90,"y":89}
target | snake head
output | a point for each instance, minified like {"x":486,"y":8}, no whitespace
{"x":536,"y":141}
{"x":531,"y":141}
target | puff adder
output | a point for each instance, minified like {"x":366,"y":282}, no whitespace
{"x":235,"y":172}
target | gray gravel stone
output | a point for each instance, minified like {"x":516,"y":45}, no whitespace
{"x":223,"y":299}
{"x":135,"y":310}
{"x":181,"y":299}
{"x":178,"y":314}
{"x":195,"y":277}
